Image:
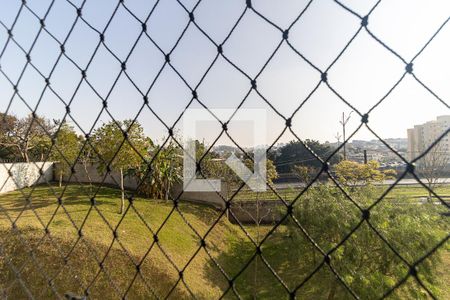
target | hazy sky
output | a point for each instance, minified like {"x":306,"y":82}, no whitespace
{"x":363,"y":75}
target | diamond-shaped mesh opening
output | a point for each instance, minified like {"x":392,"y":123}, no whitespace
{"x":91,"y":150}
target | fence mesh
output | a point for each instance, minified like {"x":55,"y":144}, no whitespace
{"x":140,"y":276}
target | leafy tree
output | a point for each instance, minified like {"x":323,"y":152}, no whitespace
{"x":352,"y":173}
{"x":165,"y":171}
{"x":66,"y":149}
{"x":166,"y":168}
{"x":364,"y":261}
{"x":304,"y":173}
{"x":121,"y":145}
{"x":295,"y":153}
{"x":7,"y":151}
{"x":29,"y":135}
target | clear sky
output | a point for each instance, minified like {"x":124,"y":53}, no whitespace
{"x":363,"y":75}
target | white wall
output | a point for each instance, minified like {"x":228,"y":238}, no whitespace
{"x":113,"y":178}
{"x":24,"y":175}
{"x":27,"y":174}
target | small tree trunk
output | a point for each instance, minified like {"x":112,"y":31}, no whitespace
{"x":257,"y":223}
{"x":167,"y":189}
{"x":305,"y":214}
{"x":25,"y":156}
{"x":255,"y":279}
{"x":87,"y":175}
{"x":430,"y":187}
{"x":166,"y":196}
{"x":122,"y":202}
{"x":332,"y":291}
{"x":60,"y":178}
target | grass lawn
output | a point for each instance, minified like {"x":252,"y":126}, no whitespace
{"x":106,"y":265}
{"x":176,"y":239}
{"x":400,"y":192}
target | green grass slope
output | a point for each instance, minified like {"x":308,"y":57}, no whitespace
{"x":65,"y":260}
{"x":97,"y":260}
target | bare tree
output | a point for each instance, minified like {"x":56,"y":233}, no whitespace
{"x":258,"y":216}
{"x":86,"y":159}
{"x":432,"y":165}
{"x":29,"y":134}
{"x":344,"y":123}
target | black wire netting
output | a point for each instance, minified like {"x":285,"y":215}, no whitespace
{"x":38,"y":262}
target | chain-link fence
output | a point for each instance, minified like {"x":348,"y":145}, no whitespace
{"x":49,"y":245}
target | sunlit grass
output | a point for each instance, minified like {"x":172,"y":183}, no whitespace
{"x":226,"y":243}
{"x":176,"y":239}
{"x":409,"y":192}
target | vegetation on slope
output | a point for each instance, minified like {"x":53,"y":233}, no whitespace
{"x":107,"y":266}
{"x":176,"y":239}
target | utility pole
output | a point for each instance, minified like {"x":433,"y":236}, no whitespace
{"x":338,"y":138}
{"x":344,"y":123}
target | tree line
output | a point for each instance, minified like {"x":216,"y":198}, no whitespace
{"x":123,"y":147}
{"x":119,"y":146}
{"x":115,"y":146}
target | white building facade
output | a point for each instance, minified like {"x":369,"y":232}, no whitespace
{"x":422,"y":136}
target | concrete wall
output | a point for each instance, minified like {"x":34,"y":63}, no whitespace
{"x":253,"y":212}
{"x":209,"y":198}
{"x":113,"y":178}
{"x":24,"y":175}
{"x":27,"y":174}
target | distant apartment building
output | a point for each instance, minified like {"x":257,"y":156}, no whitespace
{"x":422,"y":136}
